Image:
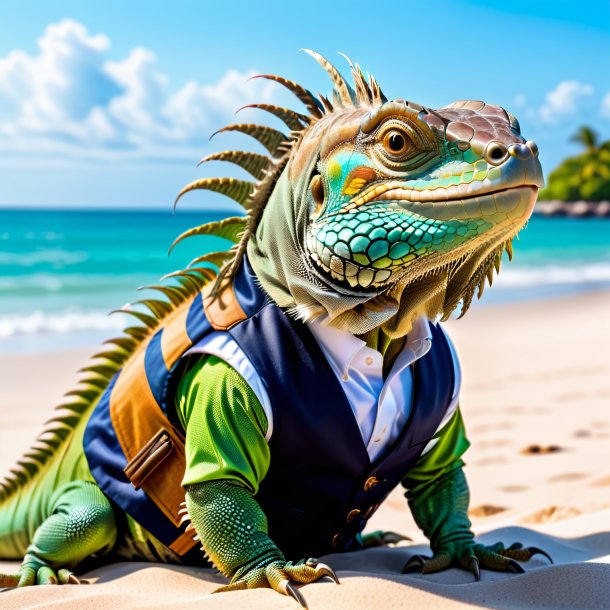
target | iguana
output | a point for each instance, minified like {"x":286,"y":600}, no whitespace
{"x":368,"y":217}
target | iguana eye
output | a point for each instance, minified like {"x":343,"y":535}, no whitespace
{"x":396,"y":143}
{"x":401,"y":145}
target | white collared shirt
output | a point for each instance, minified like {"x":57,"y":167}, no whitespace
{"x":381,"y":408}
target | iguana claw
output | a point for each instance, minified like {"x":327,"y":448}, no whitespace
{"x":473,"y":565}
{"x":325,"y":570}
{"x":282,"y":577}
{"x":290,"y":590}
{"x":415,"y":563}
{"x":516,"y":551}
{"x":513,"y":566}
{"x":38,"y":575}
{"x":381,"y":538}
{"x":536,"y":551}
{"x":473,"y":557}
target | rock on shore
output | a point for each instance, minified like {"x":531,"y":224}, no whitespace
{"x":574,"y":209}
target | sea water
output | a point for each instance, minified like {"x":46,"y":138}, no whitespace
{"x":62,"y":272}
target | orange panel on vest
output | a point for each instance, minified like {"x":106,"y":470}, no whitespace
{"x":137,"y":419}
{"x":222,"y":310}
{"x":174,"y":339}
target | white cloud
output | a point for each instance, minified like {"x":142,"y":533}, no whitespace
{"x":71,"y":98}
{"x":564,"y":100}
{"x":605,"y":106}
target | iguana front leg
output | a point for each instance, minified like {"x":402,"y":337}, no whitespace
{"x":440,"y":510}
{"x":81,"y":523}
{"x":233,"y":532}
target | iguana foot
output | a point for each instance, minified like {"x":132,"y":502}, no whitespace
{"x":472,"y":557}
{"x":381,"y":538}
{"x":81,"y":524}
{"x":35,"y":573}
{"x":282,"y":576}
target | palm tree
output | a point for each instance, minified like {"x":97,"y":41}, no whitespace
{"x":587,"y":137}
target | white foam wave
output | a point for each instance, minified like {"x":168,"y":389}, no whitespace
{"x":53,"y":257}
{"x":73,"y":282}
{"x":62,"y":322}
{"x":74,"y":320}
{"x":555,"y":275}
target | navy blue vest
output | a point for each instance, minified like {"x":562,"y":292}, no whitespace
{"x":321,"y":487}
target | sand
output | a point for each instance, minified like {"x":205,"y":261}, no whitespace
{"x":536,"y":402}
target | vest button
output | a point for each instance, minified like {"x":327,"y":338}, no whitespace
{"x":337,"y":540}
{"x":370,"y":483}
{"x":352,"y":515}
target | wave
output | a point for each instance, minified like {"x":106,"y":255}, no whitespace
{"x":74,"y":320}
{"x":61,"y":322}
{"x":555,"y":275}
{"x":41,"y":283}
{"x":32,"y":236}
{"x":53,"y":257}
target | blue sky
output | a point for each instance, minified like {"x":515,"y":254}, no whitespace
{"x":111,"y":103}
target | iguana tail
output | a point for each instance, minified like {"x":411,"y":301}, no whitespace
{"x":56,"y":457}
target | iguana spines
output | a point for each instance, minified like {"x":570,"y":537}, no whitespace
{"x":184,"y":284}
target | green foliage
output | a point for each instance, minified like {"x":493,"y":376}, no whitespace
{"x":587,"y":137}
{"x":585,"y":176}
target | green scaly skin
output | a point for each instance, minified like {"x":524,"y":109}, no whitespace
{"x":246,"y":554}
{"x":57,"y":518}
{"x":395,"y":209}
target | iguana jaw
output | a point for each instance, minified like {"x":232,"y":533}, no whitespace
{"x":440,"y":232}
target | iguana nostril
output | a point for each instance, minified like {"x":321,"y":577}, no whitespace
{"x":533,"y":147}
{"x":520,"y":151}
{"x":495,"y":153}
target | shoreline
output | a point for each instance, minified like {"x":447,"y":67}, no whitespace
{"x":58,"y":342}
{"x":573,"y":209}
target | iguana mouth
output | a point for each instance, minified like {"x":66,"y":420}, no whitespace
{"x":445,"y":203}
{"x":512,"y":202}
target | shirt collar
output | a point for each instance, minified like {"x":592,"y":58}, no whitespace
{"x":340,"y":347}
{"x":418,"y":344}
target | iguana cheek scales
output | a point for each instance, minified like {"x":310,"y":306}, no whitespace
{"x":364,"y":213}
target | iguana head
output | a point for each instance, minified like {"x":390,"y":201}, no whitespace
{"x":374,"y":211}
{"x":400,"y":190}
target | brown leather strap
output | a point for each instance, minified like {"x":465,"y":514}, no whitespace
{"x":152,"y":455}
{"x":183,"y":544}
{"x":154,"y":449}
{"x":155,"y":465}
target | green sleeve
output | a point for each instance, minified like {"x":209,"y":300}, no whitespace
{"x":225,"y":425}
{"x":443,"y":457}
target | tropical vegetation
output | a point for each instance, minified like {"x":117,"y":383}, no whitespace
{"x":585,"y":176}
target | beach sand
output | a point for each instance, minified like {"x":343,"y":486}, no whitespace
{"x":536,"y":402}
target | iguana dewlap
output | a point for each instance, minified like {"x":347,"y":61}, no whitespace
{"x":370,"y":217}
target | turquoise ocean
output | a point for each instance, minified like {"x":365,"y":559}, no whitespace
{"x":61,"y":272}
